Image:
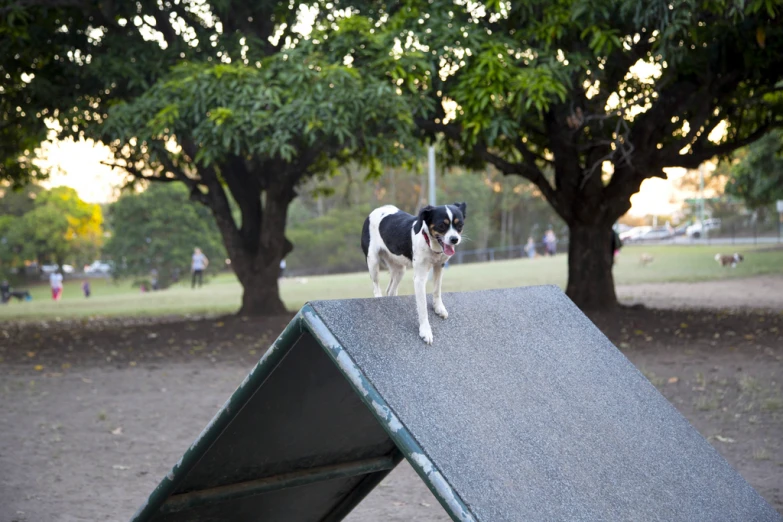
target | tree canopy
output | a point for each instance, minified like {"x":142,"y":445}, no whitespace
{"x":158,"y":229}
{"x":757,"y":179}
{"x":586,"y":100}
{"x":229,"y":98}
{"x":55,"y":226}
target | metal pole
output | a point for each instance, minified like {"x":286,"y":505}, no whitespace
{"x":431,"y":161}
{"x":701,"y":197}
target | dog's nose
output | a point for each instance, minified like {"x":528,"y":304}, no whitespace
{"x":454,"y":240}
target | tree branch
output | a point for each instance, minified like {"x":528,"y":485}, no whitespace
{"x":698,"y":155}
{"x":534,"y":175}
{"x":136,"y":173}
{"x":163,"y":24}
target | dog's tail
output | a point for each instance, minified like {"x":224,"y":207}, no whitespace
{"x":366,"y":237}
{"x":717,"y":257}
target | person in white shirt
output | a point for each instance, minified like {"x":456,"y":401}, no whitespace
{"x":198,"y":264}
{"x":56,"y":282}
{"x":282,"y":268}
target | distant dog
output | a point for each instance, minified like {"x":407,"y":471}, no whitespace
{"x":422,"y":242}
{"x":18,"y":294}
{"x":646,"y":259}
{"x":729,"y":260}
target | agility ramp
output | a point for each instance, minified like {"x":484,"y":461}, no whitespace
{"x":520,"y":410}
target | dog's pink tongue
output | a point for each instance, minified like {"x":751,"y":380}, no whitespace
{"x":448,"y":250}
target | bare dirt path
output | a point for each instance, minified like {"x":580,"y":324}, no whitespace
{"x":754,"y":292}
{"x":93,"y":415}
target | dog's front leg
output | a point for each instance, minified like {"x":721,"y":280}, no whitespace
{"x":437,"y":302}
{"x":420,"y":289}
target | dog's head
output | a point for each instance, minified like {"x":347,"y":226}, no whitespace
{"x":738,"y":258}
{"x":443,"y":225}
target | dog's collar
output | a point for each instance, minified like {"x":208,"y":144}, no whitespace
{"x":426,"y":238}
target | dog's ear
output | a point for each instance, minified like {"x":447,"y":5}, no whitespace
{"x":462,"y":208}
{"x":424,"y":215}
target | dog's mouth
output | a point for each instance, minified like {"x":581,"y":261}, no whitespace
{"x":447,"y":248}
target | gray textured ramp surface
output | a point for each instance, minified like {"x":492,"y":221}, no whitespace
{"x":529,"y":412}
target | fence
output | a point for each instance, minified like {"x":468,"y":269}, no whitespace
{"x":735,"y":230}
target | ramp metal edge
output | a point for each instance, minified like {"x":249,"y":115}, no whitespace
{"x":404,"y":439}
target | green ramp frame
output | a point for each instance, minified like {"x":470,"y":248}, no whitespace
{"x":162,"y":501}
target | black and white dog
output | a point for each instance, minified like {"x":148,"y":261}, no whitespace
{"x":401,"y":241}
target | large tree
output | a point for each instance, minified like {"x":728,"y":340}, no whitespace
{"x":584,"y":99}
{"x":243,"y":116}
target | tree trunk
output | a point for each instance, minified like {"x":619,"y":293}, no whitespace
{"x":259,"y":271}
{"x":256,"y":248}
{"x":261,"y":292}
{"x":590,"y":260}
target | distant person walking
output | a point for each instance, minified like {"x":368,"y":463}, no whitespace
{"x":530,"y":248}
{"x":56,"y":282}
{"x":198,"y":264}
{"x":282,"y":268}
{"x":617,"y":244}
{"x":5,"y":292}
{"x":550,"y":242}
{"x":86,"y":288}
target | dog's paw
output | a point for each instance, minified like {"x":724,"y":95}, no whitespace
{"x":425,"y":332}
{"x":441,"y":310}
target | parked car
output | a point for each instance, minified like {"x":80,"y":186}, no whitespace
{"x":97,"y":267}
{"x":680,"y":230}
{"x":634,"y":234}
{"x":698,"y":229}
{"x":665,"y":232}
{"x":48,"y":269}
{"x":621,"y":228}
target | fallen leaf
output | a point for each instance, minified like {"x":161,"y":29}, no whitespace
{"x":727,"y":440}
{"x":117,"y":431}
{"x":673,"y":380}
{"x":749,"y":337}
{"x":31,"y":354}
{"x":683,"y":325}
{"x":152,"y":335}
{"x":65,"y":366}
{"x":87,"y":381}
{"x":132,"y":363}
{"x":425,"y":504}
{"x":219,"y":324}
{"x":38,"y":367}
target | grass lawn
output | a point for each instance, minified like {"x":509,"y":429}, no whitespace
{"x":222,"y":294}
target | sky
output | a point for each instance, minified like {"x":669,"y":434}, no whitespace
{"x":78,"y":165}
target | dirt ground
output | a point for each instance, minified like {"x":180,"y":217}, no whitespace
{"x":94,"y":413}
{"x":765,"y":292}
